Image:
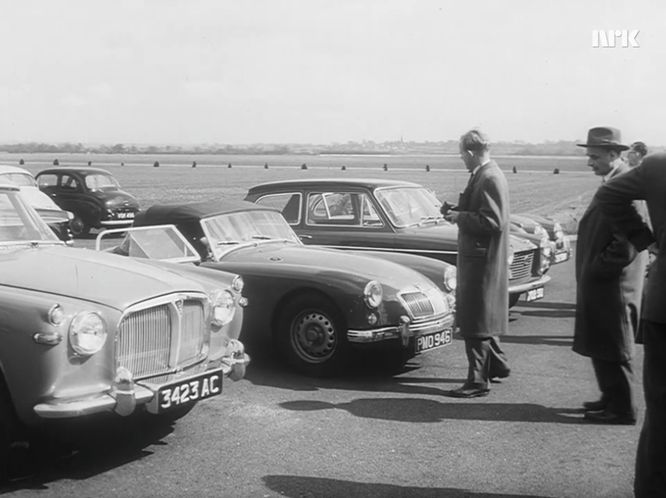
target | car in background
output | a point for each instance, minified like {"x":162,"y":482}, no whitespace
{"x":54,"y":217}
{"x":528,"y":223}
{"x":312,"y":305}
{"x":84,"y":333}
{"x":390,"y":216}
{"x":92,"y":195}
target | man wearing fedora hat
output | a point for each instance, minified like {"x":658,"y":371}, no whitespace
{"x":609,"y":278}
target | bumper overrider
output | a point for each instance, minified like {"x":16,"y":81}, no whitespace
{"x":405,"y":331}
{"x":157,"y":394}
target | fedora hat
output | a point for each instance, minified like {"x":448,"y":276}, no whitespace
{"x":604,"y":136}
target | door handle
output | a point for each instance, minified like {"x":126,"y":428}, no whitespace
{"x":305,"y":237}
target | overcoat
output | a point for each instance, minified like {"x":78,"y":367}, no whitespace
{"x":609,"y":285}
{"x":482,"y":306}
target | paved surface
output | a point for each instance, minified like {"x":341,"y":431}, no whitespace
{"x":374,"y":434}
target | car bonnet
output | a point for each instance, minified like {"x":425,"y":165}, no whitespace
{"x":111,"y":280}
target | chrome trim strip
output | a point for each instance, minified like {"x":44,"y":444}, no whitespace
{"x":520,"y":288}
{"x":389,"y":249}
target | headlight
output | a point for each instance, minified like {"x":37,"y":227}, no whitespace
{"x":450,"y":278}
{"x":237,"y":284}
{"x":558,"y":231}
{"x":223,"y":307}
{"x":373,"y":294}
{"x":87,"y":333}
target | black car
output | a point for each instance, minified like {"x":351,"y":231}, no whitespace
{"x":392,"y":216}
{"x":92,"y":195}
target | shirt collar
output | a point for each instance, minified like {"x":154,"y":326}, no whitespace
{"x":478,"y":167}
{"x":610,"y":174}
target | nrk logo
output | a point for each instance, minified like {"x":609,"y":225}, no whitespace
{"x":615,"y":38}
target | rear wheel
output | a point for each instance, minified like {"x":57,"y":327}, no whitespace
{"x":312,"y":335}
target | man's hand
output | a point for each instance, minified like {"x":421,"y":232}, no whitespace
{"x":452,"y":216}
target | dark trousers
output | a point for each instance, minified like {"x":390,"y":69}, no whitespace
{"x":615,"y":379}
{"x":651,"y":455}
{"x":486,"y":360}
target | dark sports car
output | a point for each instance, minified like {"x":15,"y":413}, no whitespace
{"x":315,"y":304}
{"x":391,"y":216}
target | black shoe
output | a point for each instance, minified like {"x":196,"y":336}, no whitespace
{"x":594,"y":406}
{"x":496,"y":377}
{"x":468,"y":392}
{"x":606,"y":417}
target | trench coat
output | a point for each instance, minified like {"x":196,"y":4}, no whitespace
{"x":482,"y":306}
{"x":609,"y":286}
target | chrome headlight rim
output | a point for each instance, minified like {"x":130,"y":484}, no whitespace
{"x":222,"y":307}
{"x":87,"y":333}
{"x":373,"y":294}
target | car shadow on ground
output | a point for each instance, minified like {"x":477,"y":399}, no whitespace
{"x":297,"y":486}
{"x":421,"y":410}
{"x":545,"y":309}
{"x":86,"y":450}
{"x":545,"y":340}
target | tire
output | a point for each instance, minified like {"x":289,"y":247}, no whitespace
{"x":513,"y":300}
{"x":312,"y":336}
{"x":78,"y":227}
{"x":14,"y":450}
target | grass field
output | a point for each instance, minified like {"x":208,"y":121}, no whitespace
{"x":534,"y":187}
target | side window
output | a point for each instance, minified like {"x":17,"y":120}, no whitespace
{"x":342,"y":208}
{"x":69,"y":183}
{"x":289,"y":203}
{"x":47,"y":180}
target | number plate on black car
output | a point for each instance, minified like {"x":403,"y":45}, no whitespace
{"x":534,"y":294}
{"x":187,"y":391}
{"x":435,"y":340}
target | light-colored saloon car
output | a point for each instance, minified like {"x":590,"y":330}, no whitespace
{"x":83,"y":332}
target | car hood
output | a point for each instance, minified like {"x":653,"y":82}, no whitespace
{"x":445,"y":236}
{"x":117,"y":199}
{"x":110,"y":280}
{"x":293,"y":258}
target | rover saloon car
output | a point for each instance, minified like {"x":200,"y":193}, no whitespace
{"x":390,"y":216}
{"x":92,"y":195}
{"x":54,"y":217}
{"x":82,"y":332}
{"x":315,"y":305}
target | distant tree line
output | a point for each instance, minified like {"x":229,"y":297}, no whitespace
{"x":551,"y":148}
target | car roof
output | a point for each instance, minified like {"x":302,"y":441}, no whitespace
{"x":78,"y":169}
{"x":370,"y":183}
{"x":187,"y":212}
{"x":5,"y":168}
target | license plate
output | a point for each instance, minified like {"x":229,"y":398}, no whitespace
{"x":187,"y":391}
{"x":125,"y":215}
{"x":534,"y":294}
{"x":427,"y":342}
{"x":563,"y":256}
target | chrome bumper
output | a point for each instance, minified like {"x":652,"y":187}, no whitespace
{"x":405,"y":331}
{"x":126,"y":394}
{"x":520,"y":288}
{"x":116,"y":223}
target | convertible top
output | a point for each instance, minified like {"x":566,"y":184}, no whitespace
{"x":161,"y":214}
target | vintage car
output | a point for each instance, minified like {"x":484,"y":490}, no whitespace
{"x":533,"y":224}
{"x":92,"y":195}
{"x":54,"y":217}
{"x":82,"y":332}
{"x":391,"y":216}
{"x":314,"y":305}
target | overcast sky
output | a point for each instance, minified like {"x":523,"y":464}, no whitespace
{"x":309,"y":71}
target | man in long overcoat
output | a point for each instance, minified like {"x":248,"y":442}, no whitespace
{"x":482,"y":306}
{"x":609,"y":276}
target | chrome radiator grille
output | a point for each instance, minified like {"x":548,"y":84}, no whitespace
{"x":418,"y":304}
{"x":521,"y":267}
{"x":157,"y":339}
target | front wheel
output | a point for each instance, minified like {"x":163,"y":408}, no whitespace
{"x":78,"y":227}
{"x":312,"y":336}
